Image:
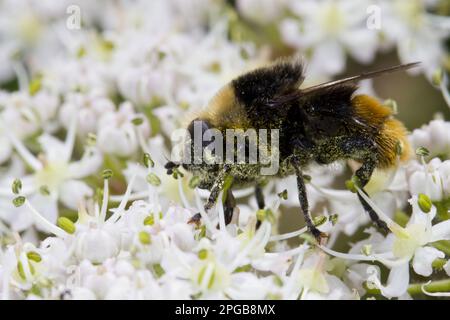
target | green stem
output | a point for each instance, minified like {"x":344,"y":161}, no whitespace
{"x":435,"y":286}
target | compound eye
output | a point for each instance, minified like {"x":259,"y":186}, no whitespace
{"x":198,"y":127}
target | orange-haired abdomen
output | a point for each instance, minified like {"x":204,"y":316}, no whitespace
{"x":391,"y":135}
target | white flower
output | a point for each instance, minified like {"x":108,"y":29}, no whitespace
{"x":260,"y":11}
{"x":141,"y":85}
{"x":411,"y":243}
{"x":432,"y":179}
{"x":25,"y":114}
{"x":435,"y":136}
{"x":329,"y":28}
{"x":408,"y":25}
{"x":117,"y":134}
{"x":55,"y":177}
{"x":97,"y":245}
{"x":88,"y":108}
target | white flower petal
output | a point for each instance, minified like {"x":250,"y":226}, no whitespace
{"x":440,"y":231}
{"x":397,"y":282}
{"x":423,"y":259}
{"x":89,"y":164}
{"x":72,"y":192}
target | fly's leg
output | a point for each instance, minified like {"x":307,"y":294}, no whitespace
{"x":213,"y":196}
{"x":260,"y":201}
{"x":368,"y":149}
{"x":259,"y":197}
{"x":229,"y":205}
{"x":363,"y":174}
{"x":303,"y":199}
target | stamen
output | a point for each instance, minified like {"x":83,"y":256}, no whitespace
{"x":290,"y":252}
{"x":205,"y":278}
{"x":126,"y":197}
{"x":70,"y":139}
{"x":276,"y":205}
{"x":134,"y":196}
{"x":359,"y":257}
{"x":29,"y":158}
{"x":141,"y":140}
{"x":288,"y":235}
{"x":184,"y":200}
{"x":57,"y":231}
{"x":339,"y":195}
{"x":104,"y":208}
{"x":392,"y":225}
{"x":295,"y":269}
{"x":204,"y":215}
{"x":241,"y":193}
{"x":25,"y":266}
{"x":261,"y":237}
{"x":222,"y":224}
{"x":444,"y":90}
{"x":22,"y":76}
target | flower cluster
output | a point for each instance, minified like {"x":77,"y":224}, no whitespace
{"x":90,"y":92}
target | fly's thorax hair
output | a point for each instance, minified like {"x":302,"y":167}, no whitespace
{"x":390,"y":135}
{"x":225,"y":111}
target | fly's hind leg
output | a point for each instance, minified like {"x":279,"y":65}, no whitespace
{"x":367,"y":148}
{"x":363,"y":174}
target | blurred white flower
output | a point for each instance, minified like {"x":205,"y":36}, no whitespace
{"x":407,"y":24}
{"x":88,"y":108}
{"x":327,"y":29}
{"x":435,"y":136}
{"x":55,"y":177}
{"x":432,"y":179}
{"x":117,"y":134}
{"x":261,"y":11}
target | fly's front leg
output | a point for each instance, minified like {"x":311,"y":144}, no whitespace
{"x":214,"y":195}
{"x":302,"y":197}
